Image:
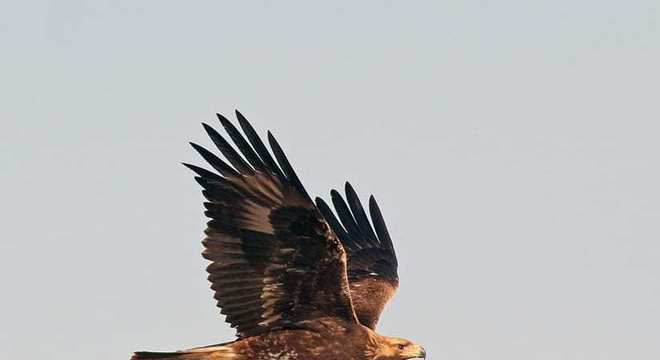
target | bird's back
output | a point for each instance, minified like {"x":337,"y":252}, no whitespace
{"x":325,"y":339}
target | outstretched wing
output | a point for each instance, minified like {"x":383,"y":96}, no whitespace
{"x":372,"y":264}
{"x":274,"y":260}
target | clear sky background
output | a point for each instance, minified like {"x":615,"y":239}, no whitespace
{"x":512,"y":145}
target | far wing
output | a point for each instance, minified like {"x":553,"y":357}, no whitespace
{"x":372,"y":263}
{"x":275,"y":263}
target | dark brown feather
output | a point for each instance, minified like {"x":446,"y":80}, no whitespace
{"x":275,"y":263}
{"x":372,"y":263}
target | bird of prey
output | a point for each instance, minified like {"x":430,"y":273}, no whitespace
{"x":296,"y":281}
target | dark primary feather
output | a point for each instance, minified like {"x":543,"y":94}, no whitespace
{"x":275,"y":263}
{"x":357,"y":236}
{"x":379,"y":224}
{"x":230,"y":154}
{"x":286,"y":166}
{"x":240,"y":142}
{"x":360,"y":216}
{"x":352,"y":228}
{"x":214,"y":161}
{"x":372,"y":263}
{"x":258,"y":145}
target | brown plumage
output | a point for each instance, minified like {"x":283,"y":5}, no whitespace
{"x":294,"y":280}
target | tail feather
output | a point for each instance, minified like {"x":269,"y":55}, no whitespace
{"x":180,"y":355}
{"x":139,"y":355}
{"x":204,"y":353}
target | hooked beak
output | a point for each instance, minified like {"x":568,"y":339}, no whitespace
{"x":421,"y":354}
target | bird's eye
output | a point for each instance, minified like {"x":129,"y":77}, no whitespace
{"x":401,"y":346}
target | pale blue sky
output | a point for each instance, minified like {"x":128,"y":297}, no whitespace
{"x":512,"y":145}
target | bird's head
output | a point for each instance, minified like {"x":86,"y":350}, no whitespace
{"x":391,"y":348}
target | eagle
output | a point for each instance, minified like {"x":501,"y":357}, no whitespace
{"x":296,"y":281}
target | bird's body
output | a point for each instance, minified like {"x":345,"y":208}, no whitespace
{"x":325,"y":339}
{"x":293,"y":279}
